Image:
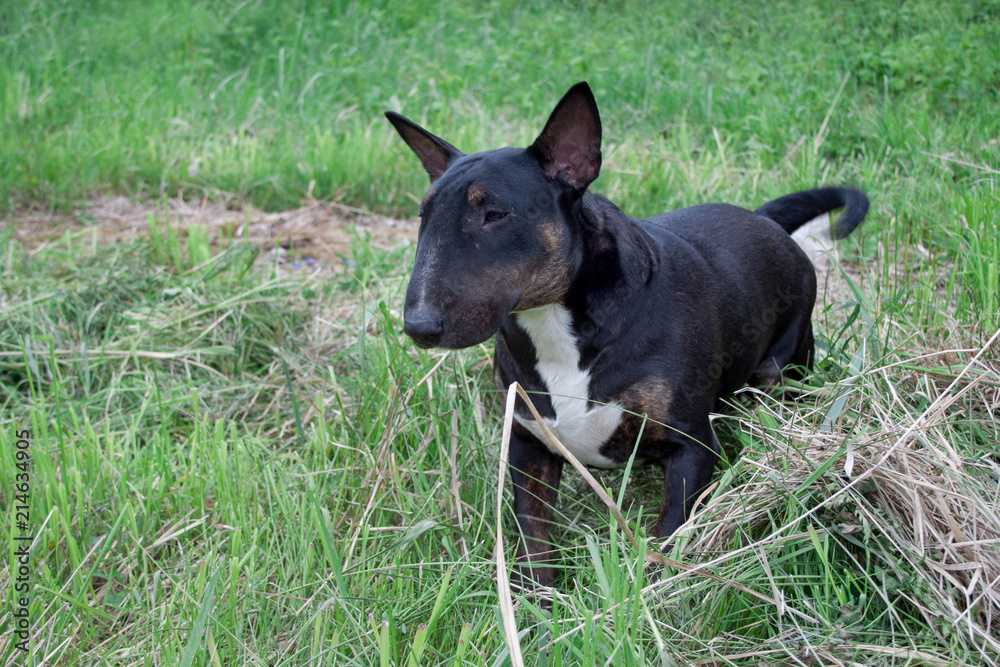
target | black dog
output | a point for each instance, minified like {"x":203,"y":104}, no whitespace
{"x":603,"y":316}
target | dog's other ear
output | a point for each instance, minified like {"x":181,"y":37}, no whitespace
{"x":434,"y":152}
{"x":570,"y":145}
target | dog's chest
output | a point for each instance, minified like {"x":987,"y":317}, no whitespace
{"x":583,"y":427}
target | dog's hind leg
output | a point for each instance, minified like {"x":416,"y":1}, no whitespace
{"x":793,"y":348}
{"x":535,"y":472}
{"x":803,"y":357}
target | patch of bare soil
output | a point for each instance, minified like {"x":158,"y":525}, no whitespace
{"x":321,"y":231}
{"x":317,"y":230}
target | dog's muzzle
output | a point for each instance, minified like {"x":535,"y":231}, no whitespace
{"x":424,"y":329}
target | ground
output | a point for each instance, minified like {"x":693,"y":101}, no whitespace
{"x":317,"y":230}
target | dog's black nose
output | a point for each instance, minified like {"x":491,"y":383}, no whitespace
{"x":425,"y":331}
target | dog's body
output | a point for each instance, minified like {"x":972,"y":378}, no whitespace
{"x":607,"y":318}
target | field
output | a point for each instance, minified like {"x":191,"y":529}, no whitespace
{"x":237,"y":458}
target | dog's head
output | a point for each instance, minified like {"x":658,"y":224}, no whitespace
{"x":496,"y":231}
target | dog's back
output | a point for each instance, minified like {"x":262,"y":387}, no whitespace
{"x":739,"y":279}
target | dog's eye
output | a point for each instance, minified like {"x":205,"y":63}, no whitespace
{"x":493,"y":216}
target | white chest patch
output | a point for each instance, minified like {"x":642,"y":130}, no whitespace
{"x":580,"y":425}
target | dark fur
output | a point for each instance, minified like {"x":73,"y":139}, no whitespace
{"x":671,"y":314}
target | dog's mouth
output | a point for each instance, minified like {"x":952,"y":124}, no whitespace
{"x":453,"y":338}
{"x":466,"y":325}
{"x":422,"y":343}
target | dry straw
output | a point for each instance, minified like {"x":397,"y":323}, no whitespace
{"x":902,"y":478}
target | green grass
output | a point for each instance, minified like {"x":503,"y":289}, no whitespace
{"x":264,"y":100}
{"x":237,"y":463}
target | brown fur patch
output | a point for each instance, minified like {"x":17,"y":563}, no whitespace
{"x":551,"y":233}
{"x":428,"y":197}
{"x":551,"y":277}
{"x":535,"y":476}
{"x":651,"y":397}
{"x":479,"y":302}
{"x":474,"y":195}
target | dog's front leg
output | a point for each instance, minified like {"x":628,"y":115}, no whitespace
{"x":535,"y":472}
{"x":687,"y":469}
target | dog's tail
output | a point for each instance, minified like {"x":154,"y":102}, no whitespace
{"x":794,"y":210}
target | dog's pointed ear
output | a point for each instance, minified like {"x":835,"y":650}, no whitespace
{"x":434,"y":152}
{"x":569,"y":148}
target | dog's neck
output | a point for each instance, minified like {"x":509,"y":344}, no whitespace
{"x":614,"y":259}
{"x":616,"y":252}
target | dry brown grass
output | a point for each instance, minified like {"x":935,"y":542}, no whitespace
{"x":901,"y":478}
{"x":884,"y":465}
{"x":320,"y":230}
